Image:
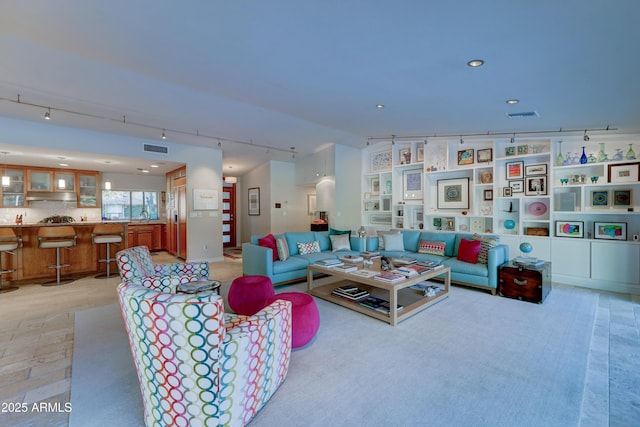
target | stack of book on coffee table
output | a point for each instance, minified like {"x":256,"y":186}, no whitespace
{"x":350,"y":292}
{"x":329,"y":262}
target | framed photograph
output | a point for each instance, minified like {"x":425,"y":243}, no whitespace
{"x":535,"y":186}
{"x":621,"y":198}
{"x":405,"y":156}
{"x":523,"y":149}
{"x":515,"y":170}
{"x":573,"y":229}
{"x":412,"y":184}
{"x":488,"y":194}
{"x":510,"y":151}
{"x":465,"y":157}
{"x":506,"y":192}
{"x":517,"y":186}
{"x":484,"y":155}
{"x":375,"y":186}
{"x":380,"y":219}
{"x":486,"y":177}
{"x":599,"y":198}
{"x":538,"y":169}
{"x":380,"y":161}
{"x":627,"y":172}
{"x":420,"y":154}
{"x":254,"y":201}
{"x":453,"y":193}
{"x":610,"y":230}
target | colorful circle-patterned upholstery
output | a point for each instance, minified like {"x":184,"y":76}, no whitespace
{"x":305,"y":316}
{"x":249,"y":294}
{"x":197,"y":366}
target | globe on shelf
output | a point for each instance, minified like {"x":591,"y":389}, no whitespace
{"x":509,"y":224}
{"x":525,"y":247}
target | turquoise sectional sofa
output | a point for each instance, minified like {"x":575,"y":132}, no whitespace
{"x":258,"y":260}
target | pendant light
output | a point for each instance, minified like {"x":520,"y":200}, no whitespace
{"x":6,"y":179}
{"x":62,"y":184}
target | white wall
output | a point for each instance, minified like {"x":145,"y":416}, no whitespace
{"x":292,"y":214}
{"x":261,"y":224}
{"x":347,"y":193}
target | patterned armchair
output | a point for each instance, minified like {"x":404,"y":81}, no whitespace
{"x":135,"y":265}
{"x":197,"y":365}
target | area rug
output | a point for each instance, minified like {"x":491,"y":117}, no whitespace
{"x":472,"y":359}
{"x":233,"y":253}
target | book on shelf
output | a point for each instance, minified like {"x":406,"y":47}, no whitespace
{"x":389,"y":277}
{"x":353,"y":259}
{"x":350,"y":293}
{"x":370,"y":254}
{"x":365,"y":273}
{"x":404,"y":260}
{"x":405,"y":271}
{"x":378,"y":304}
{"x":329,"y":262}
{"x":345,"y":268}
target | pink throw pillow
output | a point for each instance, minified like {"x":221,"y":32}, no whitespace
{"x":469,"y":250}
{"x":269,"y":241}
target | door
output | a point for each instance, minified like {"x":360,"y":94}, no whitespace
{"x":229,"y":215}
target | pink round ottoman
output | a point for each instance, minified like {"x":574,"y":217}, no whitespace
{"x":305,"y":319}
{"x":250,"y":294}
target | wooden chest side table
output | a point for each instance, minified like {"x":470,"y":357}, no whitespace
{"x":531,"y":284}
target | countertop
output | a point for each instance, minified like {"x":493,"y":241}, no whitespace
{"x":80,"y":223}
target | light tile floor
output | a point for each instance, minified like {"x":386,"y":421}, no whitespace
{"x":36,"y":346}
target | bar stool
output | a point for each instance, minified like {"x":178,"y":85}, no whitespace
{"x":63,"y":236}
{"x":8,"y":242}
{"x":107,"y":234}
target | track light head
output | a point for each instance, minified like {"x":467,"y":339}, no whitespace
{"x":585,"y":137}
{"x":461,"y":140}
{"x":47,"y":114}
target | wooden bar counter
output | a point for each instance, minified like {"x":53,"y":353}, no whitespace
{"x":31,"y":262}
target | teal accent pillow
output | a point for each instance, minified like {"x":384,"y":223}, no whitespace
{"x":334,"y":231}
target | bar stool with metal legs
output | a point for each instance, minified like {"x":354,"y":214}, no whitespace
{"x":56,"y":237}
{"x":107,"y":234}
{"x":9,"y":242}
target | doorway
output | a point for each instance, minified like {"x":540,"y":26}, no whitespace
{"x":228,"y":215}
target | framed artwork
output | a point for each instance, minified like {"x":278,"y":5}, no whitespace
{"x":375,"y":186}
{"x":538,"y":169}
{"x":380,"y":219}
{"x":535,"y":186}
{"x":205,"y":200}
{"x":599,"y":198}
{"x":510,"y":151}
{"x":517,"y":186}
{"x":254,"y":201}
{"x":628,"y":172}
{"x":420,"y":154}
{"x":621,"y":198}
{"x":380,"y":161}
{"x":412,"y":184}
{"x":484,"y":155}
{"x":405,"y":156}
{"x":486,"y":177}
{"x":610,"y":230}
{"x":515,"y":170}
{"x":573,"y":229}
{"x":523,"y":149}
{"x":506,"y":192}
{"x":488,"y":194}
{"x":453,"y":193}
{"x":465,"y":157}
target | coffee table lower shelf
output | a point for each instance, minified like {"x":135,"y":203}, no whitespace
{"x":412,"y":300}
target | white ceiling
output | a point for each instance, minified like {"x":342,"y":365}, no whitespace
{"x":287,"y":73}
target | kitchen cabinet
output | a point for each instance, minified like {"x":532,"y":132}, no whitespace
{"x":65,"y":181}
{"x":40,"y":180}
{"x":13,"y":194}
{"x":88,"y":190}
{"x":149,"y":235}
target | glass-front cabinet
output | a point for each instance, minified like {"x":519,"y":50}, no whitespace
{"x":40,"y":180}
{"x":13,"y":192}
{"x":88,"y":190}
{"x":65,"y":181}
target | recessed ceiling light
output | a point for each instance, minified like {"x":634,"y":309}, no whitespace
{"x":64,"y":164}
{"x":379,"y":105}
{"x":475,"y":63}
{"x":512,"y":101}
{"x":154,"y":166}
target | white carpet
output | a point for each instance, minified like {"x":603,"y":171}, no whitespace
{"x":472,"y":359}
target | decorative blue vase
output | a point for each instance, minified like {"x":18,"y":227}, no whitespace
{"x":583,"y":158}
{"x":509,"y":224}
